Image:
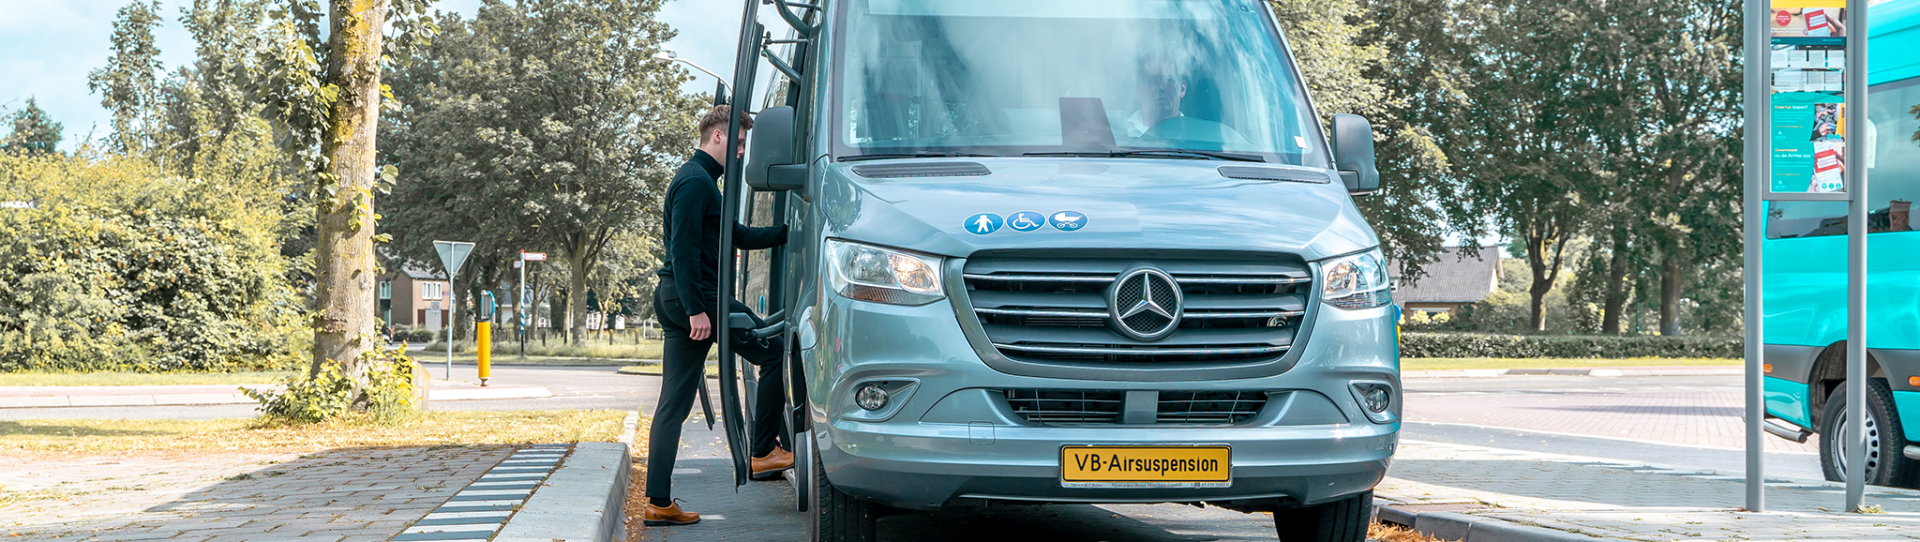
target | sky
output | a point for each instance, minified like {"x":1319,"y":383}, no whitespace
{"x":47,"y":47}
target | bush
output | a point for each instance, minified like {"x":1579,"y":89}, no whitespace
{"x":390,"y":393}
{"x":420,"y":335}
{"x":122,"y":267}
{"x":1475,"y":345}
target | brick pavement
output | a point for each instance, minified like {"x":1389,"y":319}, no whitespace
{"x":355,"y":494}
{"x":1634,"y":501}
{"x":1705,"y":416}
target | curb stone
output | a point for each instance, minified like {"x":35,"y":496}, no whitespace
{"x":583,"y":501}
{"x":1469,"y":528}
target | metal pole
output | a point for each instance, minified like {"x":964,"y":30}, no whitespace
{"x":1854,"y":143}
{"x":519,"y":305}
{"x":453,"y":311}
{"x":1756,"y":133}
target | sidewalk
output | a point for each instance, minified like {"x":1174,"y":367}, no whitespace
{"x":96,"y":396}
{"x":1680,"y":370}
{"x":1472,"y":493}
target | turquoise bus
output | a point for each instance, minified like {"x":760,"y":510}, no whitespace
{"x":1806,"y":277}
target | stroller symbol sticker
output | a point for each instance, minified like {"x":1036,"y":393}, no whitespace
{"x":983,"y":223}
{"x":1068,"y":221}
{"x":1026,"y":221}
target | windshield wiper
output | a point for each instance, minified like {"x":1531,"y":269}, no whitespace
{"x":923,"y":154}
{"x":1161,"y":153}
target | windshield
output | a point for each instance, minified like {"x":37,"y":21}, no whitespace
{"x":1014,"y":77}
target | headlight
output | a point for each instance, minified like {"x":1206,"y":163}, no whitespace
{"x":871,"y":273}
{"x":1356,"y":282}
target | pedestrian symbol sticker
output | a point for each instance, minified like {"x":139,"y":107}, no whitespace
{"x":1068,"y":221}
{"x":983,"y":223}
{"x":1026,"y":221}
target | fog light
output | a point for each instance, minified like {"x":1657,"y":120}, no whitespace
{"x":1377,"y":398}
{"x":871,"y":397}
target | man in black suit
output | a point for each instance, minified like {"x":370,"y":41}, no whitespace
{"x":683,"y":302}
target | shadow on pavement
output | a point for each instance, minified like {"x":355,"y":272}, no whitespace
{"x":347,"y":494}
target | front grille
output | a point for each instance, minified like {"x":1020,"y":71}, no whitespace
{"x":1209,"y":407}
{"x":1066,"y":406}
{"x":1055,"y":308}
{"x":1104,"y":407}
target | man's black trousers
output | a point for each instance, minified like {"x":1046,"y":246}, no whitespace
{"x":683,"y":369}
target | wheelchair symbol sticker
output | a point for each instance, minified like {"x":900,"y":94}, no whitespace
{"x":1068,"y":221}
{"x":1026,"y":221}
{"x":983,"y":223}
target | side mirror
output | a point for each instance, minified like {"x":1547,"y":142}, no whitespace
{"x":770,"y":157}
{"x":1353,"y":154}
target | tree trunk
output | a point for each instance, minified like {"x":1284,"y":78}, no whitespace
{"x":344,"y":223}
{"x":1616,"y":291}
{"x":577,"y":295}
{"x":1670,"y":296}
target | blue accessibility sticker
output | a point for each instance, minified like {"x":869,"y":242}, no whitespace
{"x":983,"y":223}
{"x":1026,"y":221}
{"x":1068,"y":220}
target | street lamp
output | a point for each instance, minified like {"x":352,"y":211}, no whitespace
{"x":667,"y":56}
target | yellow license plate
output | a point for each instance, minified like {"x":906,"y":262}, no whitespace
{"x":1146,"y":466}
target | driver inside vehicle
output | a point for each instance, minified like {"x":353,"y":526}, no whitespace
{"x":1159,"y":96}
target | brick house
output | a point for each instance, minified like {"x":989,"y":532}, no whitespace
{"x":414,"y":297}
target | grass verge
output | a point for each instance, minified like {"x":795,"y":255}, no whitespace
{"x":1394,"y":533}
{"x":429,"y":429}
{"x":141,"y":379}
{"x":620,"y":349}
{"x":1437,"y":364}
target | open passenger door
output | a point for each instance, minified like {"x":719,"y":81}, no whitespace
{"x":737,"y":382}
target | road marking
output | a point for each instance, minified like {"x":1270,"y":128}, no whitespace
{"x":1621,"y":439}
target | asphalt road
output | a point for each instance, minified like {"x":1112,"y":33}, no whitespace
{"x":1678,"y":421}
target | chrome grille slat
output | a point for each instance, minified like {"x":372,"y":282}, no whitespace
{"x":1135,"y":351}
{"x":1048,"y":306}
{"x":1252,"y":314}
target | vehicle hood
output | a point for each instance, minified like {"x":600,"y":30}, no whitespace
{"x":1128,"y":203}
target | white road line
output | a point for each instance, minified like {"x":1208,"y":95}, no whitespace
{"x":1633,"y":440}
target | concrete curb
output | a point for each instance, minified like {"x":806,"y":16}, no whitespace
{"x":1470,"y":528}
{"x":56,"y":396}
{"x":1579,"y":371}
{"x":584,"y":501}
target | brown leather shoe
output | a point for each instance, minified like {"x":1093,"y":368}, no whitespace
{"x":655,"y":516}
{"x":769,"y":467}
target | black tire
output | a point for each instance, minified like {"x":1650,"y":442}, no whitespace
{"x":1887,"y":465}
{"x":836,"y":516}
{"x":1344,"y":520}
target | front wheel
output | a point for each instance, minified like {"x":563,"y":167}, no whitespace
{"x":1887,"y":465}
{"x":1344,"y":520}
{"x":835,"y":516}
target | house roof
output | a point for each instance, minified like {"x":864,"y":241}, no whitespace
{"x":1453,"y":278}
{"x":422,"y":274}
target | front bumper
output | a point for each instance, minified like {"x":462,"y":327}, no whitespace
{"x":946,"y":442}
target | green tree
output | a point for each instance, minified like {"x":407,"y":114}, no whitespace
{"x":540,"y":125}
{"x":1393,"y":62}
{"x":129,"y":84}
{"x":324,"y":91}
{"x":34,"y":132}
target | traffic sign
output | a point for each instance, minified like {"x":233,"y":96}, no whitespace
{"x":452,"y":254}
{"x":534,"y":256}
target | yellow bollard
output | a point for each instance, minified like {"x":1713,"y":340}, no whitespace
{"x":483,"y":339}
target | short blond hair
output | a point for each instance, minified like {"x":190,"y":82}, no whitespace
{"x":717,"y":118}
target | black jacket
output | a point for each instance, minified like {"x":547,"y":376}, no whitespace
{"x":691,"y":267}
